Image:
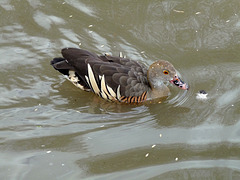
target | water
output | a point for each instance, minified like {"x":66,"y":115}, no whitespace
{"x":51,"y":130}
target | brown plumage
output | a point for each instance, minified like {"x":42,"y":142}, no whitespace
{"x":116,"y":78}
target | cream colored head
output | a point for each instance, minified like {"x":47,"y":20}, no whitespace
{"x":163,"y":71}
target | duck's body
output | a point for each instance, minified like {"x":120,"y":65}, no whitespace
{"x":116,"y":78}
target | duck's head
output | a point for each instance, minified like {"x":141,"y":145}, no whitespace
{"x":161,"y":72}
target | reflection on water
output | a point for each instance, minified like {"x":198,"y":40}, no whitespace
{"x":52,"y":130}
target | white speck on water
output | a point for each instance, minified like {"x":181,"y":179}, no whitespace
{"x":147,"y":155}
{"x":198,"y":13}
{"x":102,"y":126}
{"x":71,"y":16}
{"x":160,"y":135}
{"x":90,"y":25}
{"x":39,"y":104}
{"x":63,"y":164}
{"x":232,"y":105}
{"x":228,"y":21}
{"x":78,"y":111}
{"x":153,"y":146}
{"x":90,"y":31}
{"x":176,"y":159}
{"x":48,"y":152}
{"x":196,"y":31}
{"x":64,"y":3}
{"x":79,"y":44}
{"x":102,"y":45}
{"x":201,"y":96}
{"x":89,"y":138}
{"x":197,"y":49}
{"x":142,"y":52}
{"x":35,"y":109}
{"x":43,"y":145}
{"x":178,"y":11}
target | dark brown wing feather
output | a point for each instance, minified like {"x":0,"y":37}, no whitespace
{"x":130,"y":75}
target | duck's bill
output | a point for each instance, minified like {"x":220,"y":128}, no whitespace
{"x":178,"y":82}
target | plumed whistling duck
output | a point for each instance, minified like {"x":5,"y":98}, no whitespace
{"x":117,"y":78}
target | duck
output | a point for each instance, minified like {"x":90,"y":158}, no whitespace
{"x":118,"y":79}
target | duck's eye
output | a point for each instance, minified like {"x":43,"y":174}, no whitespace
{"x":166,"y":72}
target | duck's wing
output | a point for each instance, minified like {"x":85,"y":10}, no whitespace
{"x":112,"y":78}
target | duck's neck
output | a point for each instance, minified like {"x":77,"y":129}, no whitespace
{"x":158,"y":90}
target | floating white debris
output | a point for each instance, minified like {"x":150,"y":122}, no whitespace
{"x":71,"y":16}
{"x":196,"y":31}
{"x":39,"y":104}
{"x":48,"y":152}
{"x":176,"y":159}
{"x":90,"y":25}
{"x":102,"y":126}
{"x":202,"y":95}
{"x":43,"y":145}
{"x":78,"y":111}
{"x":79,"y":44}
{"x":153,"y":146}
{"x":227,"y":21}
{"x":90,"y":31}
{"x":147,"y":155}
{"x":232,"y":105}
{"x":160,"y":135}
{"x":197,"y":49}
{"x":142,"y":52}
{"x":35,"y":109}
{"x":198,"y":13}
{"x":63,"y":164}
{"x":178,"y":11}
{"x":102,"y":45}
{"x":64,"y":3}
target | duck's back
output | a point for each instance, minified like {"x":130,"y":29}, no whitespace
{"x":112,"y":78}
